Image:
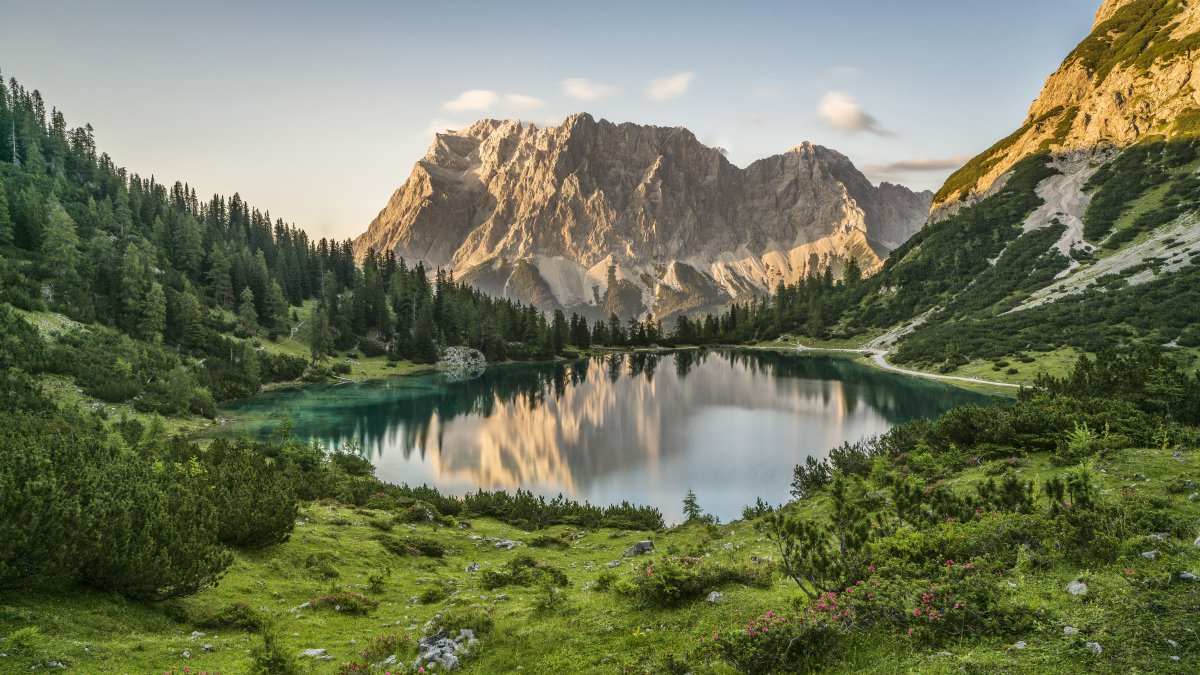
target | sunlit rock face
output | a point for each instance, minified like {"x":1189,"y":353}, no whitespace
{"x":542,"y":214}
{"x":1133,"y":78}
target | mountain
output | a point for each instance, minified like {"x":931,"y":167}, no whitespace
{"x":1078,"y":232}
{"x":1132,"y":79}
{"x":600,"y":217}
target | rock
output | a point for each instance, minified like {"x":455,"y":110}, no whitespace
{"x":507,"y":544}
{"x":467,"y":634}
{"x":473,"y":567}
{"x":715,"y":596}
{"x":1077,"y":588}
{"x":639,"y":548}
{"x":207,"y":647}
{"x":1197,"y":542}
{"x":187,"y":655}
{"x":414,"y":599}
{"x":1187,"y":576}
{"x":1070,"y":630}
{"x":1174,"y":659}
{"x":448,"y":661}
{"x":1021,"y":644}
{"x":1149,"y":555}
{"x":316,"y":654}
{"x":475,"y":537}
{"x":1160,"y":536}
{"x":502,"y":596}
{"x":560,"y":203}
{"x":614,"y":563}
{"x":1172,"y":644}
{"x":196,"y":634}
{"x":1093,"y":647}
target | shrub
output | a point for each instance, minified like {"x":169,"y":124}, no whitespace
{"x":522,"y":570}
{"x":271,"y":657}
{"x":321,"y":565}
{"x":433,"y":594}
{"x":412,"y":545}
{"x":346,"y":602}
{"x":675,"y":580}
{"x":605,"y":581}
{"x":547,"y":541}
{"x":234,"y":615}
{"x":778,"y":643}
{"x":458,"y":617}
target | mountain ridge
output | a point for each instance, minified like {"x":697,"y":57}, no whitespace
{"x":646,"y":199}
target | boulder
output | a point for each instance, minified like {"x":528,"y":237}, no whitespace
{"x":639,"y":548}
{"x":1077,"y":588}
{"x":715,"y":596}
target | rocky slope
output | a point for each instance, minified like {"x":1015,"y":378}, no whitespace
{"x":1133,"y":77}
{"x":601,"y":217}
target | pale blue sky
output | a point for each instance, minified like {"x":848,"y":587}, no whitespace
{"x":317,"y":110}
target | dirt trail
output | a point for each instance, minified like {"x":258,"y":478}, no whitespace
{"x":879,"y":357}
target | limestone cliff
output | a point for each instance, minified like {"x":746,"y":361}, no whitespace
{"x":541,"y":214}
{"x":1134,"y":76}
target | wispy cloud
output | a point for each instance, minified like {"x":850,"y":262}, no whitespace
{"x":482,"y":100}
{"x":671,"y":86}
{"x":840,"y":111}
{"x":583,"y":89}
{"x":920,"y":164}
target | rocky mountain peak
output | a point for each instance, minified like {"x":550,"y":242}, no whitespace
{"x":542,"y":213}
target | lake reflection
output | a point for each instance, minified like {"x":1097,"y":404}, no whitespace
{"x":641,"y":427}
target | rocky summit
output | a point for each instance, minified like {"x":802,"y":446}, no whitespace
{"x":1131,"y":79}
{"x":605,"y":218}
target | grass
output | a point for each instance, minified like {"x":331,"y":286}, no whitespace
{"x":589,"y":631}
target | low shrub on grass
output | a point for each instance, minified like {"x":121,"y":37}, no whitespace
{"x":412,"y":545}
{"x":779,"y":643}
{"x":458,"y":617}
{"x":547,"y":541}
{"x":321,"y":565}
{"x":522,"y":570}
{"x":234,"y":615}
{"x":346,"y":602}
{"x":674,"y":580}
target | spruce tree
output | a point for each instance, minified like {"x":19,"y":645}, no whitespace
{"x":6,"y":225}
{"x":60,"y":248}
{"x":247,"y":315}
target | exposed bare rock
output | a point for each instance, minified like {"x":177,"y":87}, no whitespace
{"x":542,"y":215}
{"x":1134,"y":76}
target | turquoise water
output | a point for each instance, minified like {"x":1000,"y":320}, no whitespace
{"x":729,"y":424}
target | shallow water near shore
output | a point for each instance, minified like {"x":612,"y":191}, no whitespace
{"x":642,"y":427}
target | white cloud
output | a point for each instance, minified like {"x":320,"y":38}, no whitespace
{"x":583,"y":89}
{"x":482,"y":100}
{"x":472,"y":100}
{"x":521,"y":102}
{"x":671,"y":86}
{"x":840,"y":111}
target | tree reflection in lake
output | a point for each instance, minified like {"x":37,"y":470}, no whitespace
{"x":729,"y":424}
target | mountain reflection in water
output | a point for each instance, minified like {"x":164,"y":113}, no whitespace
{"x":646,"y":427}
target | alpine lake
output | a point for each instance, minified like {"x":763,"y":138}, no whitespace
{"x":642,"y":427}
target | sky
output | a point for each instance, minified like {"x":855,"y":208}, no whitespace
{"x":317,"y":111}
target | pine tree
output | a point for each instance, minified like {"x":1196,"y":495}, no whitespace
{"x":6,"y":225}
{"x":424,"y":347}
{"x":320,"y":340}
{"x":852,"y":273}
{"x":60,"y":248}
{"x":691,"y":508}
{"x":247,"y":315}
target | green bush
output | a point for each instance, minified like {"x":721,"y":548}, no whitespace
{"x":234,"y":615}
{"x":346,"y":602}
{"x":522,"y":570}
{"x":780,"y":644}
{"x":674,"y":580}
{"x":412,"y":545}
